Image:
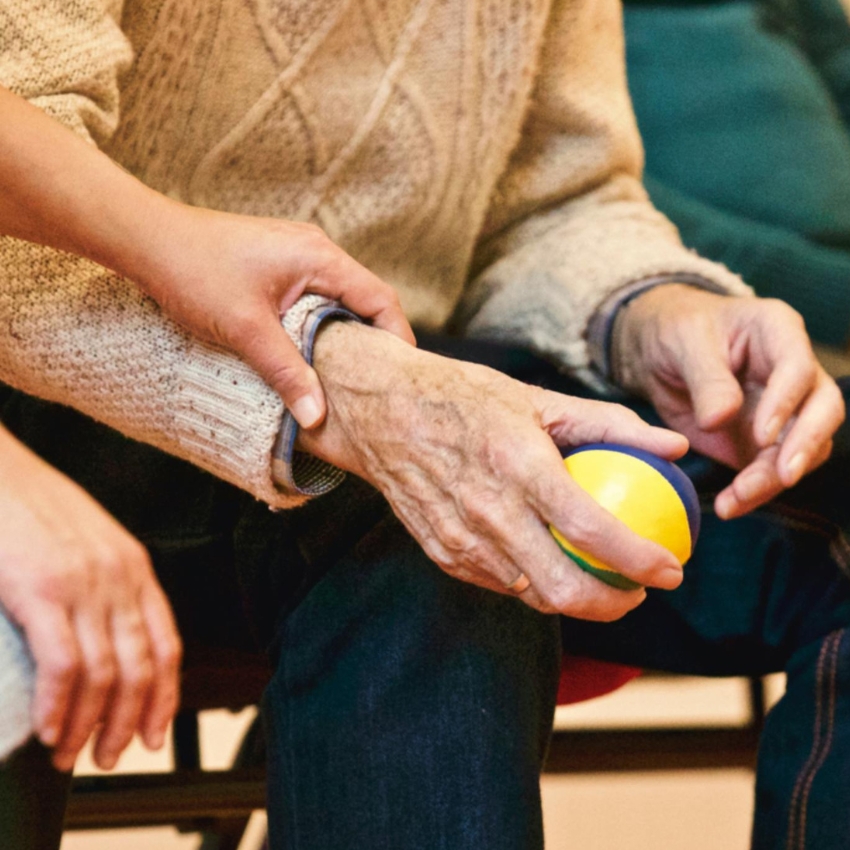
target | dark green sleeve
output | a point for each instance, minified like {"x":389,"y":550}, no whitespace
{"x":777,"y":262}
{"x":824,"y":30}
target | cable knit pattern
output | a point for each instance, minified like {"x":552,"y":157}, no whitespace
{"x":480,"y":155}
{"x":438,"y":141}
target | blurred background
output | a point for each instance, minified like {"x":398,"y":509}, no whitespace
{"x":687,"y":808}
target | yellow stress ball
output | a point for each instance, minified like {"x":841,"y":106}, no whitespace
{"x":652,"y":496}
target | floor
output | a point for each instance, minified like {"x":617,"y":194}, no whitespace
{"x":683,"y":810}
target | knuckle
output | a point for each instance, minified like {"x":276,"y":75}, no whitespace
{"x":581,"y":530}
{"x":482,"y":510}
{"x":101,"y":673}
{"x":454,"y":538}
{"x":63,"y":666}
{"x":139,"y":677}
{"x":312,"y":230}
{"x":561,"y":598}
{"x":784,"y":310}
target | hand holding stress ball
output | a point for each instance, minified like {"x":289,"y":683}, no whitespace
{"x":652,"y":496}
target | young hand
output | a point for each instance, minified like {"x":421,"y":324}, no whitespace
{"x":98,"y":625}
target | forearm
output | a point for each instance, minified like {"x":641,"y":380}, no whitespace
{"x":58,"y":190}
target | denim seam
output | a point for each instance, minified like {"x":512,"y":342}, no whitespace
{"x":830,"y":730}
{"x":799,"y":519}
{"x":821,"y":742}
{"x":792,"y":813}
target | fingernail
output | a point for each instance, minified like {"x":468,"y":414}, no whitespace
{"x":108,"y":762}
{"x":771,"y":430}
{"x":156,"y":740}
{"x":671,"y":577}
{"x":797,"y":466}
{"x":724,"y":505}
{"x":306,"y":411}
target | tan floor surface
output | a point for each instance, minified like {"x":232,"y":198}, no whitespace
{"x":685,"y":810}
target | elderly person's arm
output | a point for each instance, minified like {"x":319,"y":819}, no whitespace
{"x":575,"y":263}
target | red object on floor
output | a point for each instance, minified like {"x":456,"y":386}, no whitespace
{"x":586,"y":678}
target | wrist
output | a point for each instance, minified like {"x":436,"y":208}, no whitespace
{"x":640,"y":322}
{"x":366,"y":373}
{"x":152,"y":248}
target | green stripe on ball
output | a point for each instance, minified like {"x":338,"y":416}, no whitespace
{"x":608,"y":576}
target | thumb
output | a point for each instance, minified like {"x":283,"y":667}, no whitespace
{"x":269,"y":350}
{"x":716,"y":394}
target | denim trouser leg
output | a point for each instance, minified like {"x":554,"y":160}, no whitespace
{"x":765,"y":593}
{"x":408,"y":711}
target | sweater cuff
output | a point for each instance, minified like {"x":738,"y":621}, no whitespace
{"x":600,"y":329}
{"x":295,"y":471}
{"x":17,"y":684}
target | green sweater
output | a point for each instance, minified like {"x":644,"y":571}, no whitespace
{"x":743,"y":107}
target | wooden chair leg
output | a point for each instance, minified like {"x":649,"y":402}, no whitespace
{"x":227,"y":834}
{"x":33,"y":796}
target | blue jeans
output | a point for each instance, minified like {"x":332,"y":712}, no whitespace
{"x":409,"y":710}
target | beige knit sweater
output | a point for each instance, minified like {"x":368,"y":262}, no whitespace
{"x":480,"y":155}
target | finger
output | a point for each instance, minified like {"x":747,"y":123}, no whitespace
{"x":759,"y":483}
{"x":517,"y":547}
{"x":555,"y":498}
{"x":816,"y":423}
{"x":716,"y":394}
{"x":365,"y":294}
{"x":264,"y":344}
{"x":574,"y":422}
{"x":167,"y":654}
{"x":54,"y":647}
{"x":792,"y":379}
{"x":756,"y":484}
{"x":604,"y":540}
{"x":93,"y":687}
{"x":559,"y":584}
{"x":132,"y":689}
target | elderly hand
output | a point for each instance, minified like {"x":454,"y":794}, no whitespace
{"x":738,"y":377}
{"x":97,"y":623}
{"x":468,"y":460}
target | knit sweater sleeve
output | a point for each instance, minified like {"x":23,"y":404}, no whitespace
{"x":570,"y":222}
{"x":75,"y":333}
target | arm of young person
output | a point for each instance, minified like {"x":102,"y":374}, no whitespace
{"x":226,"y":278}
{"x":89,"y":337}
{"x":96,"y":622}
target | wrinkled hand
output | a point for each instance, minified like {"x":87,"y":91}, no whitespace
{"x":467,"y":459}
{"x":97,"y":623}
{"x":228,"y":279}
{"x":737,"y":377}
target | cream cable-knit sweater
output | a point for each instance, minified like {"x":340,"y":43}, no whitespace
{"x":480,"y":155}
